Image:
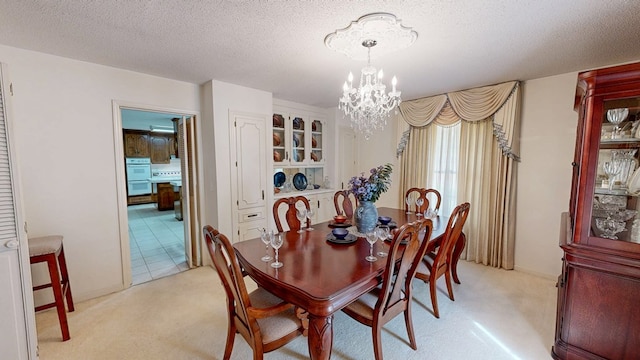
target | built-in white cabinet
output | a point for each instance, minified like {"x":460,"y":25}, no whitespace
{"x":249,"y":180}
{"x":17,"y":326}
{"x":299,"y":138}
{"x":320,"y":201}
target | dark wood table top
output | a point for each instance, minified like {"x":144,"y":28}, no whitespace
{"x":320,"y":276}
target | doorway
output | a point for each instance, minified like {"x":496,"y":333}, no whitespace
{"x":158,"y":236}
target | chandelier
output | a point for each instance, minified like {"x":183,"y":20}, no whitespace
{"x":368,"y":106}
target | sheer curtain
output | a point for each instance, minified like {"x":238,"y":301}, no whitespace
{"x":484,"y":144}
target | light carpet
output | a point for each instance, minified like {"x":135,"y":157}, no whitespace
{"x":497,"y":315}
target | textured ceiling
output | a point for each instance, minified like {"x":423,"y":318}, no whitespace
{"x":277,"y":46}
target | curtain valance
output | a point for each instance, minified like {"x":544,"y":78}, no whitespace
{"x":495,"y":102}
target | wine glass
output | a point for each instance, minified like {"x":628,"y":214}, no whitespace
{"x":616,"y":116}
{"x":371,"y":237}
{"x":408,"y":202}
{"x":383,"y":233}
{"x":611,"y":169}
{"x":266,"y":236}
{"x":301,"y":214}
{"x":310,"y":214}
{"x":276,"y":242}
{"x":419,"y":202}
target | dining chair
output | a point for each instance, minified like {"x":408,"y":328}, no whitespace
{"x":430,"y":269}
{"x":393,"y":295}
{"x":343,"y":203}
{"x":422,"y":193}
{"x":264,"y":321}
{"x":290,"y":215}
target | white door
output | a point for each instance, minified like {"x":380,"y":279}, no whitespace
{"x":249,"y":180}
{"x":347,"y":151}
{"x":250,"y":161}
{"x":17,"y":327}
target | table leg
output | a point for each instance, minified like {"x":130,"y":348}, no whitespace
{"x":457,"y":250}
{"x":320,"y":336}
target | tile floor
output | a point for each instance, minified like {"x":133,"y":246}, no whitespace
{"x":156,"y":239}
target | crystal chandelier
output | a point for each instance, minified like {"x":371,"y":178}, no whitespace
{"x":368,"y":105}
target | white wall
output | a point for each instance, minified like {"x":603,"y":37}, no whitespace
{"x":64,"y":138}
{"x":544,"y":175}
{"x":225,"y":97}
{"x":547,"y":145}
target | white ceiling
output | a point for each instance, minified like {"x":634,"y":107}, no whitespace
{"x":277,"y":46}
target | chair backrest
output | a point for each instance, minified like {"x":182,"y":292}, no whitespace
{"x":450,"y":236}
{"x":226,"y":263}
{"x":290,"y":215}
{"x":405,"y":253}
{"x":424,"y":194}
{"x":342,"y":202}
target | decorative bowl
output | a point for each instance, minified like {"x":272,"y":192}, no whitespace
{"x":339,"y":219}
{"x":616,"y":116}
{"x":384,"y":220}
{"x":316,"y":186}
{"x":340,"y":233}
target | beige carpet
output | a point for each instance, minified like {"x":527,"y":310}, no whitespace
{"x":497,"y":315}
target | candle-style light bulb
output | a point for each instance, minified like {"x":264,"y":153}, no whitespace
{"x":350,"y":78}
{"x":380,"y":74}
{"x":394,"y":81}
{"x":345,"y":87}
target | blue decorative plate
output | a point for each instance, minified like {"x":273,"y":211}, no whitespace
{"x":300,"y":181}
{"x":349,"y":239}
{"x":279,"y":179}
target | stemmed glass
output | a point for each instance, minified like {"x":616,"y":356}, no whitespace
{"x":371,"y":237}
{"x":383,"y":233}
{"x":276,"y":242}
{"x":309,"y":216}
{"x":301,"y":214}
{"x":611,"y":169}
{"x":408,"y":202}
{"x":266,"y":236}
{"x":419,"y":202}
{"x":430,"y":213}
{"x":616,"y":116}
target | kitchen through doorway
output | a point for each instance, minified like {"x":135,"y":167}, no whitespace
{"x":157,"y":147}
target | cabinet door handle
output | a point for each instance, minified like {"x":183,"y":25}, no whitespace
{"x":252,"y":215}
{"x":262,"y":194}
{"x":12,"y":244}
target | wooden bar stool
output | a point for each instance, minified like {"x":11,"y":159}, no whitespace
{"x":49,"y":249}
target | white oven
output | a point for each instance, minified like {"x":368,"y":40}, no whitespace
{"x":138,"y":174}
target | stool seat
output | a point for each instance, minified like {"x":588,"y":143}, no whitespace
{"x":49,"y":249}
{"x":45,"y":245}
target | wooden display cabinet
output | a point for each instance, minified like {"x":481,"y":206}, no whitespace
{"x":162,"y":147}
{"x":599,"y":288}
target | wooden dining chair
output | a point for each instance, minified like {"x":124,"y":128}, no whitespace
{"x":290,"y":215}
{"x":424,"y":194}
{"x":393,"y":296}
{"x":342,"y":202}
{"x":430,"y":269}
{"x":264,"y":321}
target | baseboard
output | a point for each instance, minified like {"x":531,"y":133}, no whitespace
{"x":536,"y":273}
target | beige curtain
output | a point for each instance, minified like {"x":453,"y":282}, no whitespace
{"x":489,"y":151}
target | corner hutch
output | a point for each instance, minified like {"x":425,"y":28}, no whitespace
{"x":599,"y":289}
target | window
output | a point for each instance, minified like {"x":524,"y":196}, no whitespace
{"x":445,"y":150}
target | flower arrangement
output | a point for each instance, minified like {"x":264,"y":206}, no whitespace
{"x":369,"y":189}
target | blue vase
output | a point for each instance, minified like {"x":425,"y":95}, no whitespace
{"x":366,"y":216}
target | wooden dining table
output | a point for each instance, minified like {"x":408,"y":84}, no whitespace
{"x":322,"y":277}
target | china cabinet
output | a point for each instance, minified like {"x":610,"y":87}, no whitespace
{"x":599,"y":287}
{"x":298,"y":139}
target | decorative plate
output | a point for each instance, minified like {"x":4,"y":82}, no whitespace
{"x":300,"y":181}
{"x":279,"y":179}
{"x":278,"y":121}
{"x":349,"y":239}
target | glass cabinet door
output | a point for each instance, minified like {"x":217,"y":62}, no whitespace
{"x":279,"y":139}
{"x":317,"y":144}
{"x":298,"y":155}
{"x":617,"y":180}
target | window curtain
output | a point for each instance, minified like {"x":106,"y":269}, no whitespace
{"x":488,"y":154}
